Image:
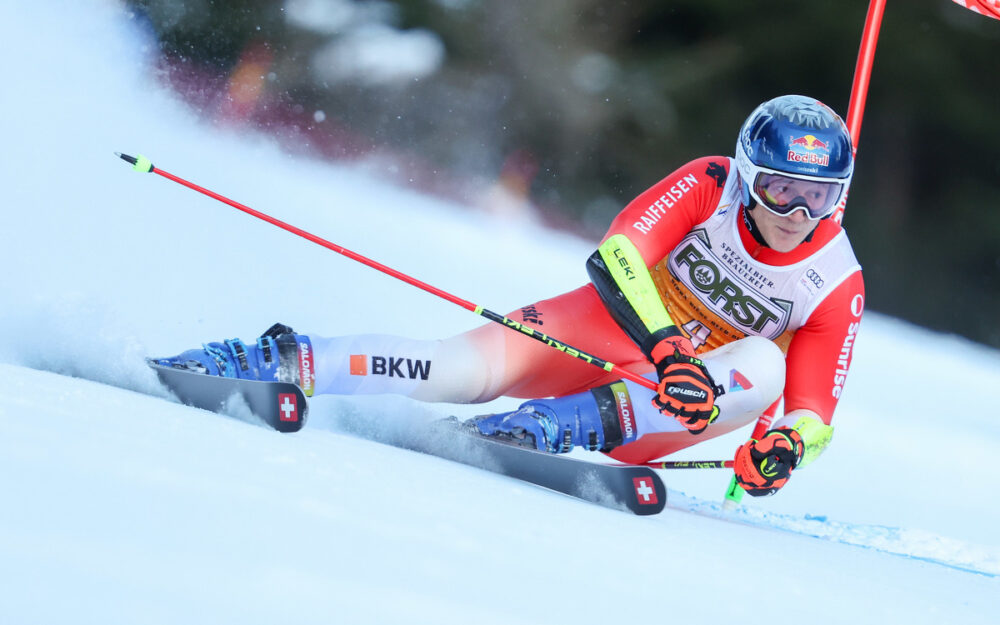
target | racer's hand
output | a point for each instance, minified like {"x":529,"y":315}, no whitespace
{"x":685,"y":391}
{"x":764,"y":466}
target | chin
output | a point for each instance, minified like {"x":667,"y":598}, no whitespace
{"x":786,"y":245}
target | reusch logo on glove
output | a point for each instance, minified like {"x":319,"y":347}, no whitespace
{"x":690,"y":392}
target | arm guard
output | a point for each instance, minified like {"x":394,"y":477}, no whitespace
{"x":815,"y":435}
{"x":623,"y":281}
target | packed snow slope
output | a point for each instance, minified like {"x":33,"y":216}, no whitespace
{"x":120,"y":506}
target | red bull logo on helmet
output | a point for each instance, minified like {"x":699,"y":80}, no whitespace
{"x":808,"y":142}
{"x":804,"y":150}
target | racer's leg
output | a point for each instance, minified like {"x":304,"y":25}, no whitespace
{"x":452,"y":370}
{"x":752,"y":374}
{"x":455,"y":370}
{"x":619,"y":417}
{"x":484,"y":363}
{"x":529,"y":368}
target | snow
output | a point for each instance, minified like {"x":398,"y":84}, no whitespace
{"x":119,"y":506}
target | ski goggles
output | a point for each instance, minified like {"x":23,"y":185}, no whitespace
{"x":783,"y":195}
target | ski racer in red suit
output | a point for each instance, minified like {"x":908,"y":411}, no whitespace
{"x":726,"y":283}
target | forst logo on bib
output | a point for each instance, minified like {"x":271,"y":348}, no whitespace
{"x":696,"y":266}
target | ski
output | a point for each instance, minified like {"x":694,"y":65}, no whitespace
{"x":283,"y":406}
{"x":280,"y":405}
{"x":622,"y":487}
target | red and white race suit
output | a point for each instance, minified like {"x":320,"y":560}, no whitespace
{"x":717,"y":283}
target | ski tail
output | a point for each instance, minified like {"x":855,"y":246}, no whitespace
{"x":281,"y":405}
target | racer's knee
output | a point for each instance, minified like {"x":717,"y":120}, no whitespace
{"x":751,"y":363}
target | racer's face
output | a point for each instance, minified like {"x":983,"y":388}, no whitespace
{"x":783,"y":233}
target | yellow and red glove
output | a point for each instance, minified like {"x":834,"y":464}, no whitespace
{"x":685,"y":391}
{"x":764,"y":466}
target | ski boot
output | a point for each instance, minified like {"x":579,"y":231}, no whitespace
{"x":554,"y":425}
{"x":279,"y":355}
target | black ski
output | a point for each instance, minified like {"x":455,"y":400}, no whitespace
{"x":280,"y":405}
{"x":623,"y":487}
{"x":283,"y":407}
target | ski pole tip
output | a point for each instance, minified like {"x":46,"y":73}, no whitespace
{"x":139,"y":163}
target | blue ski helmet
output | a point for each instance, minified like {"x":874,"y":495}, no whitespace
{"x":794,"y":153}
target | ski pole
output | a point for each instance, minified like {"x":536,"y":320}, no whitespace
{"x":734,"y":493}
{"x":863,"y":69}
{"x":859,"y":87}
{"x":142,"y":164}
{"x":689,"y":464}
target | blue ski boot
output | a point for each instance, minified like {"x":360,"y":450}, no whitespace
{"x":279,"y":355}
{"x":556,"y":425}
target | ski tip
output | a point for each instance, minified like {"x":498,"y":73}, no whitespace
{"x":650,"y":494}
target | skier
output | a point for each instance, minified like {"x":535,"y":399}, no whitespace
{"x":726,"y":283}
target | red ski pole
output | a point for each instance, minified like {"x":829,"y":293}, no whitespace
{"x":862,"y":77}
{"x":863,"y":69}
{"x":141,"y":163}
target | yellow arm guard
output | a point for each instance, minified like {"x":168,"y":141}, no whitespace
{"x":815,"y":435}
{"x":621,"y":277}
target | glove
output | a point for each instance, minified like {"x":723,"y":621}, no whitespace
{"x":686,"y":391}
{"x":762,"y":467}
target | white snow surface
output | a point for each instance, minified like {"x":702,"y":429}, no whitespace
{"x":120,"y":506}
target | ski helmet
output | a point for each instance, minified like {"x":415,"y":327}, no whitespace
{"x":794,"y":153}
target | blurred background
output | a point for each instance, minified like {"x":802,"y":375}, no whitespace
{"x":561,"y":111}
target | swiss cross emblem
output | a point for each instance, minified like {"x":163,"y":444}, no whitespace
{"x":644,"y":491}
{"x":288,"y":407}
